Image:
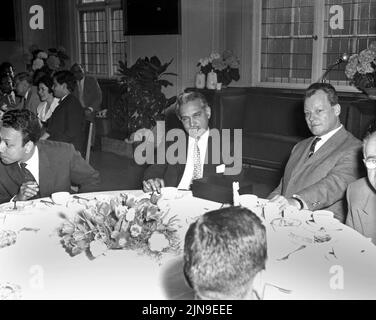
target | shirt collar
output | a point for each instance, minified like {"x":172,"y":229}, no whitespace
{"x":330,"y":134}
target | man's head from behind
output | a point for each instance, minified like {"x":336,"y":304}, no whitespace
{"x":19,"y":133}
{"x":321,"y":108}
{"x":23,"y":82}
{"x":78,"y":71}
{"x":369,"y":153}
{"x":194,"y":112}
{"x":223,"y":251}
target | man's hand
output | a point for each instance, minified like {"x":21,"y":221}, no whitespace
{"x":153,"y":185}
{"x":28,"y":190}
{"x":283,"y":202}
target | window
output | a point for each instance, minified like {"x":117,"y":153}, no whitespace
{"x":102,"y":41}
{"x":298,"y":41}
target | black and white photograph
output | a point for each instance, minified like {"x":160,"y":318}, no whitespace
{"x":171,"y":151}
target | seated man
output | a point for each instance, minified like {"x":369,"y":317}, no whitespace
{"x":321,"y":167}
{"x":361,"y":194}
{"x":194,"y":112}
{"x":223,"y":252}
{"x":30,"y":168}
{"x":28,"y":93}
{"x":7,"y":97}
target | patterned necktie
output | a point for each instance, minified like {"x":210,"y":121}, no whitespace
{"x":313,"y":146}
{"x":197,"y":170}
{"x":28,"y":176}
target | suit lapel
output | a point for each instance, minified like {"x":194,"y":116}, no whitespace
{"x":14,"y":173}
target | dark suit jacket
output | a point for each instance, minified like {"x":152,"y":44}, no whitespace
{"x":60,"y":166}
{"x":92,"y":93}
{"x":321,"y":181}
{"x":67,"y":123}
{"x":361,"y":199}
{"x":172,"y":174}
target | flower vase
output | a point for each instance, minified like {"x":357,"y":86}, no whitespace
{"x":371,"y":93}
{"x":211,"y":81}
{"x":200,"y":80}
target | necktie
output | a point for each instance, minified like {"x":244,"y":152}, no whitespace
{"x":197,"y":170}
{"x":28,"y":176}
{"x":312,"y":148}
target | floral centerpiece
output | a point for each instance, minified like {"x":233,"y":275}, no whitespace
{"x":361,"y":70}
{"x":226,"y":66}
{"x":40,"y":62}
{"x":121,"y":222}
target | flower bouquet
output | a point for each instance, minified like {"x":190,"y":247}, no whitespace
{"x":121,"y":222}
{"x":361,"y":70}
{"x":40,"y":62}
{"x":226,"y":66}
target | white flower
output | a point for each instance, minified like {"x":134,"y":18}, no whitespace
{"x":37,"y":64}
{"x":131,"y":214}
{"x":158,"y":242}
{"x":97,"y":248}
{"x":42,"y":55}
{"x":120,"y":211}
{"x":135,"y":230}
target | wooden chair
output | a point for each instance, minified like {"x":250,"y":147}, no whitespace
{"x":90,"y":125}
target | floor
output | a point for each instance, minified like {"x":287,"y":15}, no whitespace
{"x":121,"y":173}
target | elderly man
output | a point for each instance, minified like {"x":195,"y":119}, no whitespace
{"x":30,"y":168}
{"x":194,"y":112}
{"x":27,"y":92}
{"x":321,"y":167}
{"x":223,"y":252}
{"x":361,"y":194}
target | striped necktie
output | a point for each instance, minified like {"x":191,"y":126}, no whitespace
{"x":28,"y":176}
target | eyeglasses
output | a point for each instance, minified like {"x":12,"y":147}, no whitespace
{"x":370,"y":163}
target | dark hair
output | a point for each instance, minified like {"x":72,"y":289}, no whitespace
{"x":327,"y":88}
{"x":223,"y":251}
{"x":186,"y":97}
{"x":24,"y":76}
{"x":4,"y":66}
{"x":47,"y":81}
{"x":24,"y":121}
{"x":67,"y":77}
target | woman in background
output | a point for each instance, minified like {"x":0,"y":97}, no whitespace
{"x":46,"y":95}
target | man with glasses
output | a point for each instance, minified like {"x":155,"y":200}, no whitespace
{"x":361,"y":194}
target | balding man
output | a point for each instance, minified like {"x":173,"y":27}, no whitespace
{"x":361,"y":194}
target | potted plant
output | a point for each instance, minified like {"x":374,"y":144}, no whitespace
{"x":142,"y":102}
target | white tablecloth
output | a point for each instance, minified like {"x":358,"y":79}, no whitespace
{"x":40,"y":266}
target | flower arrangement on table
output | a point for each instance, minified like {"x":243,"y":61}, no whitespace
{"x":121,"y":223}
{"x":41,"y":62}
{"x":226,"y":66}
{"x":361,"y":70}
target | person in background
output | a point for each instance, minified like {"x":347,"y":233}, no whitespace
{"x":48,"y":101}
{"x":7,"y":68}
{"x":27,"y":92}
{"x":67,"y":121}
{"x":361,"y":194}
{"x":8,"y":99}
{"x":31,"y":168}
{"x":321,"y":167}
{"x":224,"y":250}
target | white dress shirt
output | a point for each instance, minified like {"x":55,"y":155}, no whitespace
{"x":33,"y":164}
{"x":326,"y":137}
{"x":186,"y":180}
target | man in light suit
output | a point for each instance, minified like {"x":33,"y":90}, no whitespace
{"x":30,"y":168}
{"x":194,"y":113}
{"x":321,"y":167}
{"x":361,"y":194}
{"x":27,"y":92}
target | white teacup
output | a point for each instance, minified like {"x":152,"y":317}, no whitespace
{"x":248,"y":201}
{"x":61,"y":198}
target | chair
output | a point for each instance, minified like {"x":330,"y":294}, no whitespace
{"x":88,"y":139}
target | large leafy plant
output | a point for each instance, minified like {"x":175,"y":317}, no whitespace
{"x":142,"y":102}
